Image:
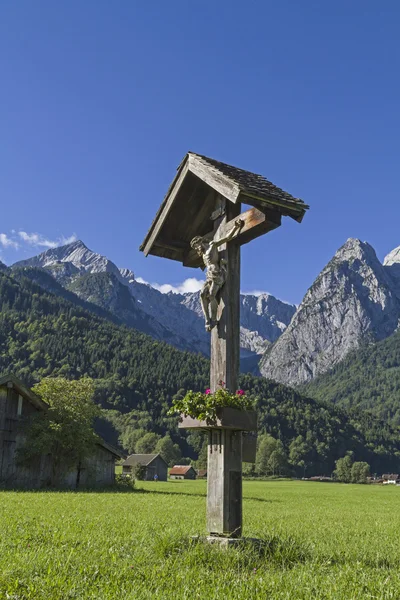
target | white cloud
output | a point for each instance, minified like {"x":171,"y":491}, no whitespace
{"x":7,"y":242}
{"x":255,"y":293}
{"x":36,"y":239}
{"x":190,"y":285}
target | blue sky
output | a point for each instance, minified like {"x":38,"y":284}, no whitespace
{"x":101,"y":100}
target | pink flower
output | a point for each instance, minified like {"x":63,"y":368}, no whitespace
{"x":240,"y":393}
{"x":208,"y":391}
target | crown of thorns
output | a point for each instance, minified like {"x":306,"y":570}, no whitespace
{"x":196,"y":240}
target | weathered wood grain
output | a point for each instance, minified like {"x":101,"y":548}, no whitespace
{"x":219,"y":182}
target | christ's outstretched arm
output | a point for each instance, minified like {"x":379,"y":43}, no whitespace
{"x":235,"y":229}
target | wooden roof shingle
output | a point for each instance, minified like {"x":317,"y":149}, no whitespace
{"x":251,"y":184}
{"x":193,"y":197}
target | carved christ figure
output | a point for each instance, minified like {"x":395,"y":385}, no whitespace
{"x":215,"y":270}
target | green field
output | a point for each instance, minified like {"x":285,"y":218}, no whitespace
{"x":321,"y":541}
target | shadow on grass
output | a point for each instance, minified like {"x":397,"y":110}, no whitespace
{"x":204,"y":495}
{"x":248,"y":554}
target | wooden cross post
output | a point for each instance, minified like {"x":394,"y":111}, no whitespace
{"x":224,"y":470}
{"x":224,"y":460}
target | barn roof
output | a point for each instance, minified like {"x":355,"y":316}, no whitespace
{"x":23,"y":390}
{"x":191,"y":199}
{"x":110,"y":448}
{"x":140,"y":459}
{"x":180,"y":469}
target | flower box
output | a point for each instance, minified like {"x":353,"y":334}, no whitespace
{"x":227,"y":418}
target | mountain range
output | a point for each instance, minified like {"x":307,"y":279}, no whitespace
{"x":354,"y":301}
{"x":174,"y":318}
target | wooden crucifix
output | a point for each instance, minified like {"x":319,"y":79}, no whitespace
{"x":220,"y":295}
{"x":200,"y":224}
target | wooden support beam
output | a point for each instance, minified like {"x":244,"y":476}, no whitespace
{"x":256,"y":223}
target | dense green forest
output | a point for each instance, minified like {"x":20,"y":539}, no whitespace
{"x":367,"y":379}
{"x":42,"y":334}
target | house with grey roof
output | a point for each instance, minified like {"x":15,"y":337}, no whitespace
{"x":154,"y":464}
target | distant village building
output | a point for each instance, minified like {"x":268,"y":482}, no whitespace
{"x":154,"y":464}
{"x":182,"y":472}
{"x":202,"y":473}
{"x":392,"y":478}
{"x":17,"y":404}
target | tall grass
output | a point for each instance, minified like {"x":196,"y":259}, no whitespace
{"x":318,"y":540}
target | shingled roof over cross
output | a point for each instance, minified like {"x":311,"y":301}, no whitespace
{"x":193,"y":197}
{"x":250,"y":184}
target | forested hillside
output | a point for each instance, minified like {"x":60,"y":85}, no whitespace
{"x":368,"y":378}
{"x":136,"y":378}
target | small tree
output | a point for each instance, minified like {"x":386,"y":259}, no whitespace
{"x":65,"y":430}
{"x":147,"y":444}
{"x":129,"y":437}
{"x":266,"y":446}
{"x":343,"y":469}
{"x":299,"y":451}
{"x":359,"y":472}
{"x":139,"y":472}
{"x":277,"y":461}
{"x":169,"y":451}
{"x":201,"y":462}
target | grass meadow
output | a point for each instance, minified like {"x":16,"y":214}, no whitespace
{"x":321,"y":541}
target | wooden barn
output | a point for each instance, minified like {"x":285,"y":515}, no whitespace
{"x":182,"y":472}
{"x":17,"y":404}
{"x":153,"y":463}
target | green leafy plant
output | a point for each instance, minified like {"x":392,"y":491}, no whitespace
{"x":204,"y":405}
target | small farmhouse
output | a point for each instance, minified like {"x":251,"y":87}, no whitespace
{"x":182,"y":472}
{"x":154,"y":463}
{"x":17,"y":404}
{"x":202,"y":473}
{"x":392,"y":478}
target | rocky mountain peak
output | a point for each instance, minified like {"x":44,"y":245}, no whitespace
{"x":77,"y":255}
{"x":355,"y":248}
{"x":392,"y":267}
{"x":352,"y":301}
{"x":128,"y":275}
{"x":392,"y":258}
